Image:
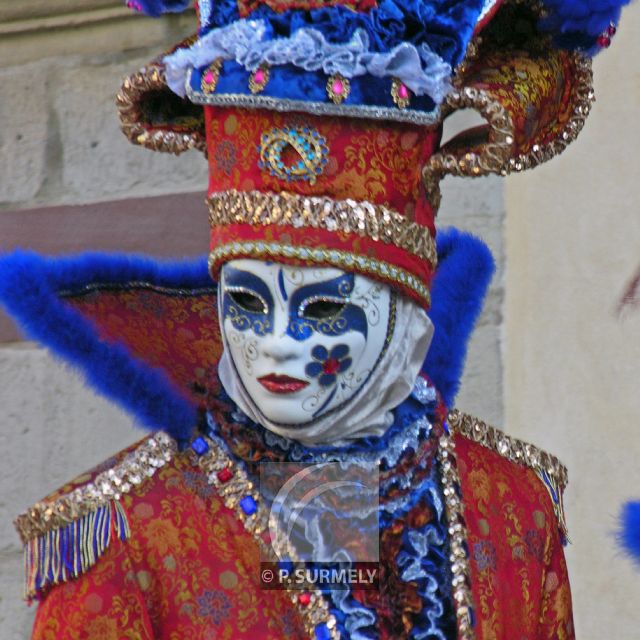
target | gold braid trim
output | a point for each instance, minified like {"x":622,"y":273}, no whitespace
{"x":349,"y":216}
{"x":548,"y":468}
{"x":459,"y":557}
{"x":151,"y":79}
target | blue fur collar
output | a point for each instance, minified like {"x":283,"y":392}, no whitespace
{"x":31,"y":286}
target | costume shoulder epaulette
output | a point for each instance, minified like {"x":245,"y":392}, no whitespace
{"x":548,"y":468}
{"x":65,"y":534}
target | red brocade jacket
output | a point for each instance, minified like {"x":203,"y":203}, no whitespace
{"x":161,"y":549}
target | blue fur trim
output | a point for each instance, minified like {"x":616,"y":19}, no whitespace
{"x":156,"y":8}
{"x":29,"y":289}
{"x":629,"y":535}
{"x":576,"y":24}
{"x":465,"y":268}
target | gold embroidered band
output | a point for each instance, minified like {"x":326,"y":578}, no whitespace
{"x":367,"y":220}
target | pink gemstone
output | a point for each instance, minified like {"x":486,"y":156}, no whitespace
{"x":259,"y":76}
{"x":209,"y":77}
{"x":337,"y":87}
{"x":403,"y":92}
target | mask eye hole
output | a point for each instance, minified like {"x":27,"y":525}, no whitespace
{"x":248,"y":301}
{"x":322,"y":309}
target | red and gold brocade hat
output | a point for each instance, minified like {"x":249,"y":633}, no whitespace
{"x":322,"y":120}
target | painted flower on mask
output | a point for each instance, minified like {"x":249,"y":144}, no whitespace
{"x":328,"y":364}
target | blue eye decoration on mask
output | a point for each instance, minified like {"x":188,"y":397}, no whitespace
{"x":324,"y":307}
{"x":247,"y":301}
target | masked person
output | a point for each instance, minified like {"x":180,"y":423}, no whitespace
{"x":326,"y":328}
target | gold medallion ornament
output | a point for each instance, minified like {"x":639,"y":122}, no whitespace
{"x":259,"y":78}
{"x":338,"y":88}
{"x":293,"y":154}
{"x":210,"y":77}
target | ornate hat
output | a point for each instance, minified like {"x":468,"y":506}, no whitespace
{"x":322,"y":119}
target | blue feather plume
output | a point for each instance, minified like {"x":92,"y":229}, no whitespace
{"x":629,"y":534}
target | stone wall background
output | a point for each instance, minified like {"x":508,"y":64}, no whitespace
{"x":572,"y":355}
{"x":60,"y":144}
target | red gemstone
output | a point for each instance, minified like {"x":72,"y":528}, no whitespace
{"x":603,"y":41}
{"x":331,"y":366}
{"x":304,"y":598}
{"x":612,"y":30}
{"x":225,"y":474}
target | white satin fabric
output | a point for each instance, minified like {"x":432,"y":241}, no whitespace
{"x":368,"y":412}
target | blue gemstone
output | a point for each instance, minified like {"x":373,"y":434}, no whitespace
{"x":248,"y":505}
{"x":322,"y":632}
{"x":200,"y":446}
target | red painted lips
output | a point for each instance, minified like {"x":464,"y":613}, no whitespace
{"x":281,"y":384}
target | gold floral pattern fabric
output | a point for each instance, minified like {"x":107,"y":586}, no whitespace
{"x":367,"y":161}
{"x":174,"y":330}
{"x":518,"y":573}
{"x":189,"y":570}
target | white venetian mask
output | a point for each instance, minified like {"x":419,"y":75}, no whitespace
{"x":303,"y":340}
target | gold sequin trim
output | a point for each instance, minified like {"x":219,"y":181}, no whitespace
{"x":496,"y":155}
{"x":582,"y":97}
{"x":109,"y":485}
{"x":151,"y":79}
{"x":458,"y":557}
{"x":549,"y":469}
{"x":350,"y":216}
{"x":496,"y":152}
{"x":232,"y":492}
{"x":341,"y":259}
